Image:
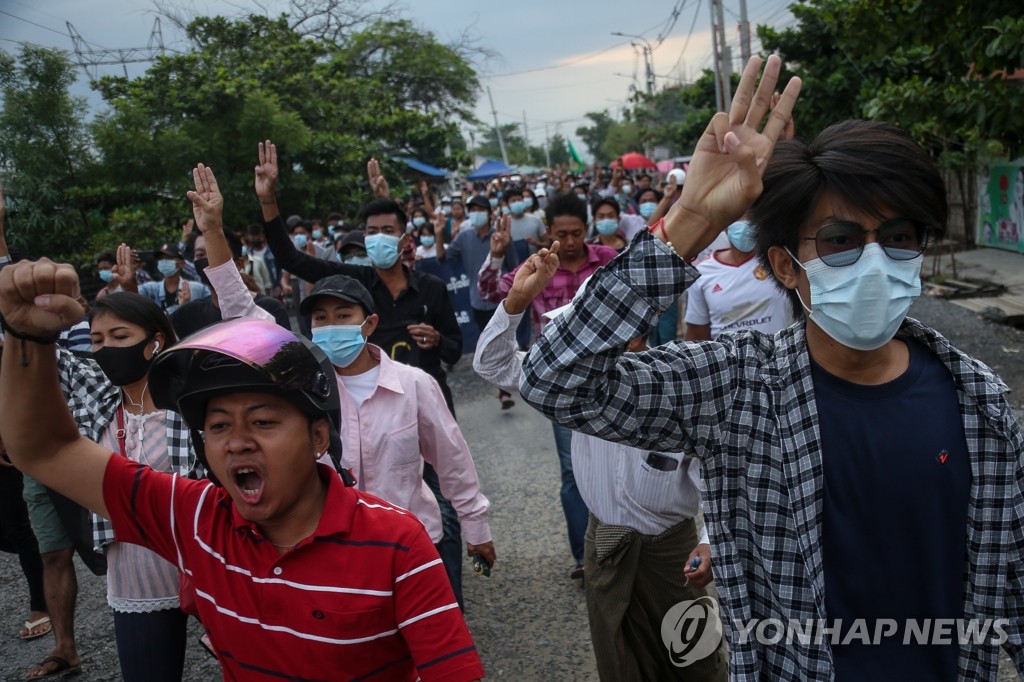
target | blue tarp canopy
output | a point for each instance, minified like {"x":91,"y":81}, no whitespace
{"x":420,"y":167}
{"x":490,"y":169}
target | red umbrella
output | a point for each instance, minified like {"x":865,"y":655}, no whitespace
{"x":636,"y":160}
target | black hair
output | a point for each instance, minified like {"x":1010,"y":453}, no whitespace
{"x":870,"y":166}
{"x":657,"y":195}
{"x":419,"y":208}
{"x":606,"y":201}
{"x":565,"y":205}
{"x":235,"y":244}
{"x":384,"y":207}
{"x":139,"y":310}
{"x":254,"y":230}
{"x":106,"y":256}
{"x":514,"y":191}
{"x":334,"y":216}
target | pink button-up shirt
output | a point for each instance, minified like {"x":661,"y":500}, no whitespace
{"x":385,"y":441}
{"x":494,"y":287}
{"x":404,"y":423}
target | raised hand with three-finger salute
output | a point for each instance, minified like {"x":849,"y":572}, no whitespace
{"x":378,"y":185}
{"x":124,"y":271}
{"x":207,"y":201}
{"x":725,"y":172}
{"x":266,"y":180}
{"x":501,"y":237}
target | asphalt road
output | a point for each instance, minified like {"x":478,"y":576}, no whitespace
{"x":528,"y":619}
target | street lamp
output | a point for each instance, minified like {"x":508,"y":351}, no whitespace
{"x":649,"y":65}
{"x":648,"y":58}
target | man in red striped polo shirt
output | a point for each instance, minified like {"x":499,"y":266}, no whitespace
{"x":296,"y":575}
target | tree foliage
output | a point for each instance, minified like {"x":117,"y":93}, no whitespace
{"x":45,"y":154}
{"x":674,"y":117}
{"x":935,"y":68}
{"x":387,"y":90}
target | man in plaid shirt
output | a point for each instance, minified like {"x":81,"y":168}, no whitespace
{"x":864,"y":480}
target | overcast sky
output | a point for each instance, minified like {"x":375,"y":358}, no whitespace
{"x":557,"y":60}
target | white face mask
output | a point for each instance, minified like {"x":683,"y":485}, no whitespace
{"x":862,"y":305}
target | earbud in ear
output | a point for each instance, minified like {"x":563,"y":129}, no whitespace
{"x":156,"y":347}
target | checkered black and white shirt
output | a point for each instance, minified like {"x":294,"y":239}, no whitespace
{"x":94,"y":401}
{"x":745,"y":405}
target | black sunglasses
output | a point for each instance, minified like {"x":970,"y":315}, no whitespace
{"x":841,"y":243}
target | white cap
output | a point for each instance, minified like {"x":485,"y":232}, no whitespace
{"x":540,"y":192}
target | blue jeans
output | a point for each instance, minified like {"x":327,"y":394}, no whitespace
{"x":575,"y":509}
{"x":450,"y":547}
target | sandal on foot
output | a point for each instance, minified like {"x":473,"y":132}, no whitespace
{"x":63,"y":668}
{"x":29,"y":632}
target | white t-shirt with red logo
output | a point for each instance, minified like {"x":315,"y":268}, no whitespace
{"x":736,"y":297}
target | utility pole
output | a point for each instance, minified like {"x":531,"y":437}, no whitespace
{"x":649,"y":65}
{"x":744,"y":33}
{"x":723,"y":59}
{"x":497,"y":128}
{"x":547,"y":146}
{"x":526,"y":137}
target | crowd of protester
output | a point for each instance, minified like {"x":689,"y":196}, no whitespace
{"x":292,"y":375}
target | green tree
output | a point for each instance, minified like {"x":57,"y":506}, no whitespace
{"x":594,"y":135}
{"x":936,"y":69}
{"x":559,"y":148}
{"x":624,"y":136}
{"x":385,"y":90}
{"x":674,"y":117}
{"x":45,"y":155}
{"x":488,"y":146}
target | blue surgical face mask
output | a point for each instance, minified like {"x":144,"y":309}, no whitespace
{"x":447,"y":210}
{"x":505,"y":210}
{"x":359,"y":260}
{"x":581,"y":196}
{"x":647,"y":208}
{"x":862,"y":305}
{"x":493,"y":202}
{"x":627,"y":189}
{"x":341,"y":342}
{"x":245,"y":250}
{"x":427,"y":241}
{"x":167,"y":267}
{"x":419,"y":221}
{"x":318,"y":234}
{"x":517,"y":207}
{"x":742,"y":236}
{"x":107,"y":275}
{"x":607,"y":227}
{"x":382,"y":250}
{"x":478,"y":219}
{"x":300,"y":241}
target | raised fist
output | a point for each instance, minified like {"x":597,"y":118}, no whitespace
{"x":40,"y":298}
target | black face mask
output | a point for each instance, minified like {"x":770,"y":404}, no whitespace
{"x":124,"y":366}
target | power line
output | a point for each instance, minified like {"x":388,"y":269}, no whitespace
{"x":558,"y":66}
{"x":689,"y":35}
{"x":670,"y":23}
{"x":46,"y":28}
